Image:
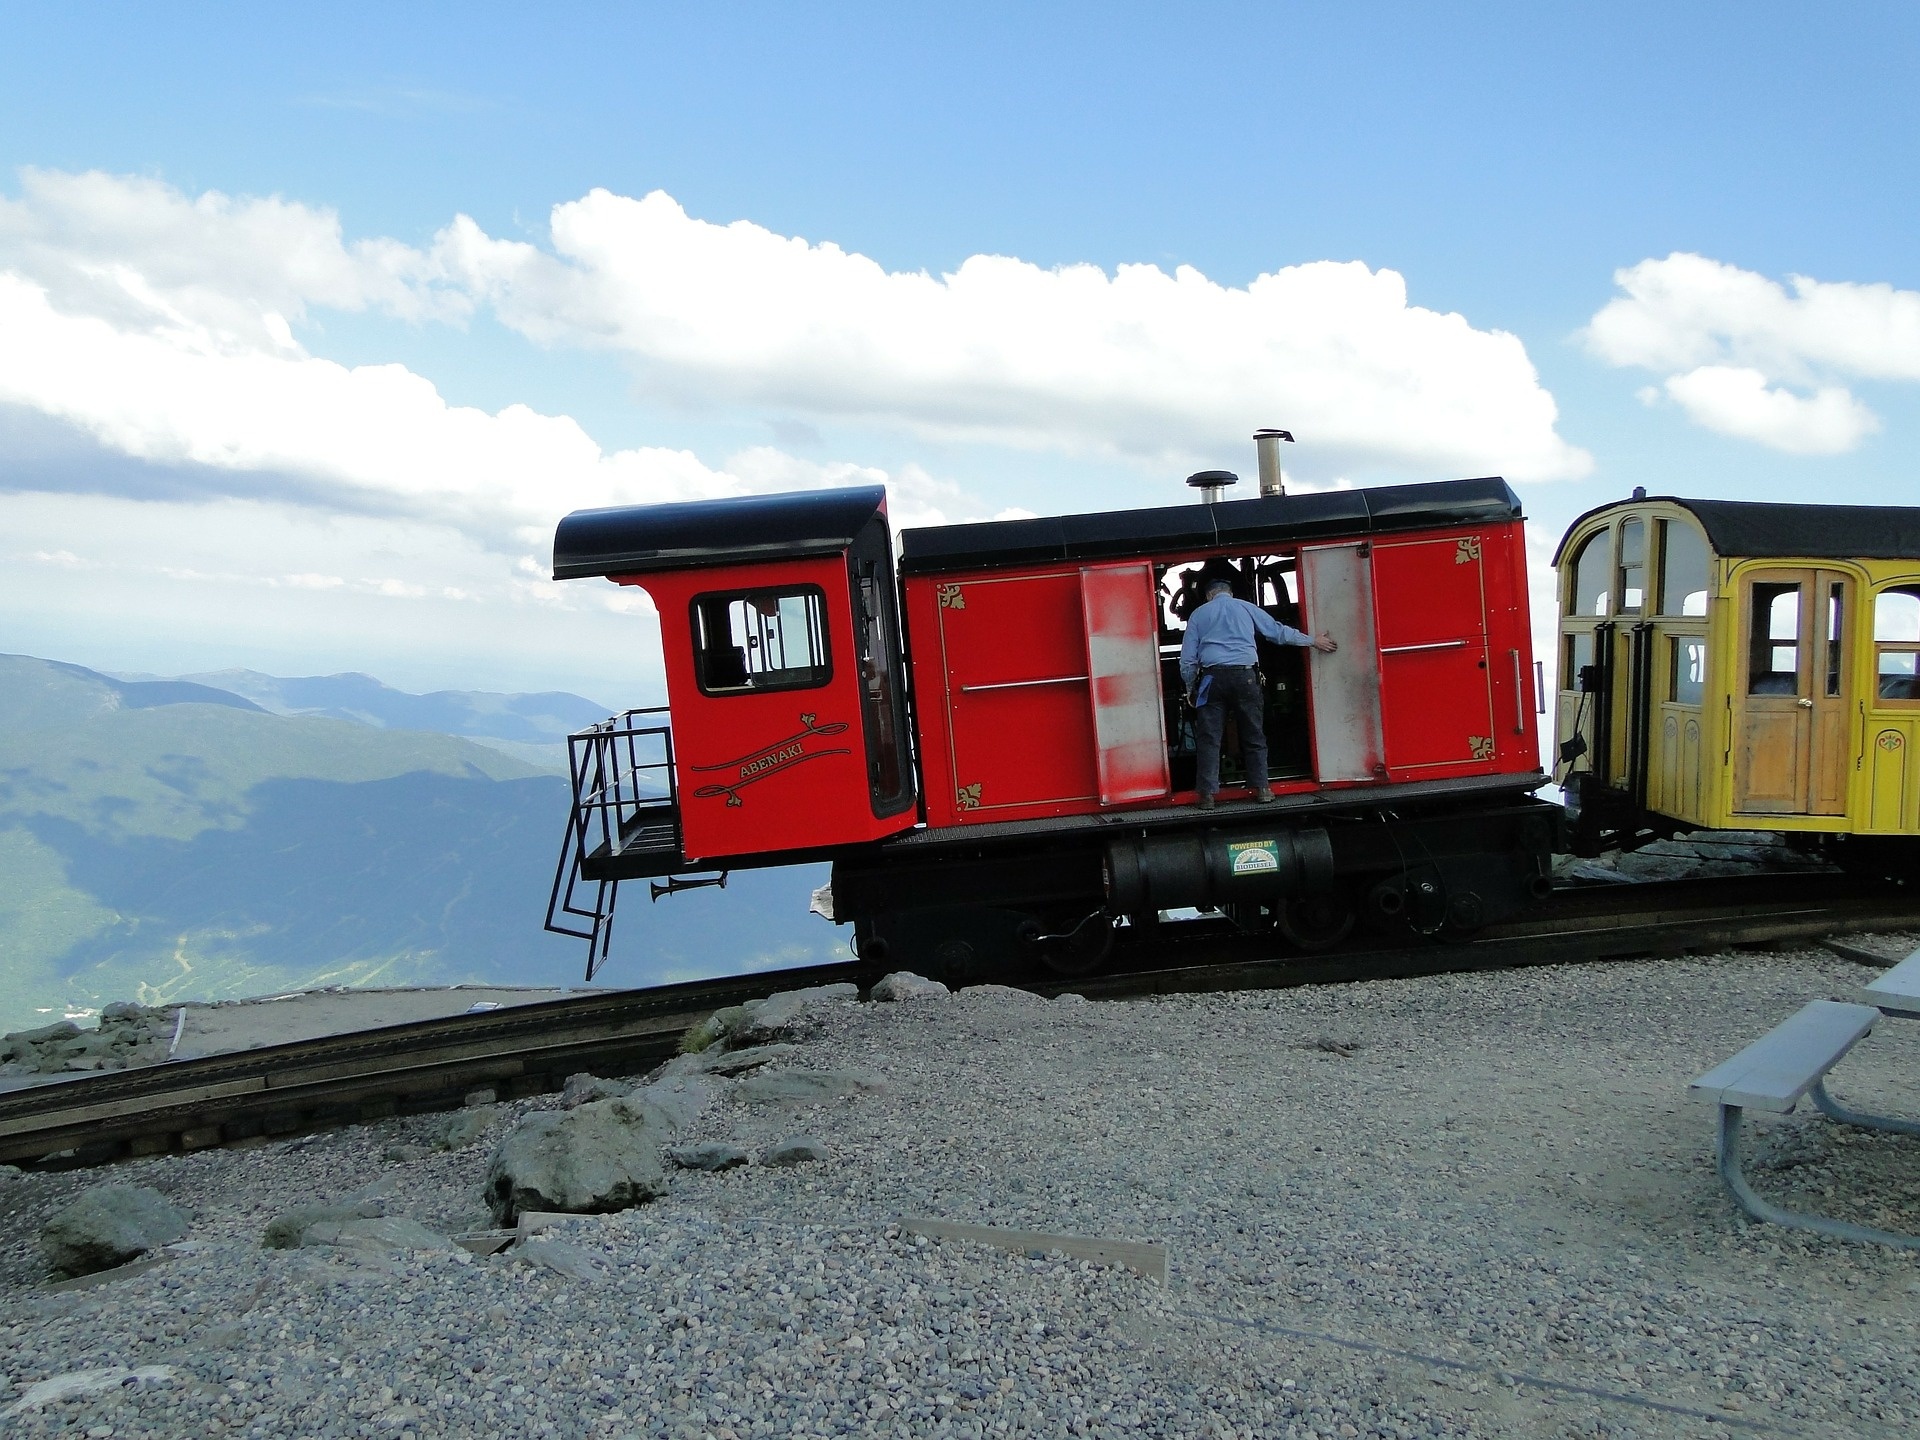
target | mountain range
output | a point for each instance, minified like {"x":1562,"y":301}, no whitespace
{"x":233,"y":834}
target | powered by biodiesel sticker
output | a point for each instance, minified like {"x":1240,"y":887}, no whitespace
{"x":1253,"y":857}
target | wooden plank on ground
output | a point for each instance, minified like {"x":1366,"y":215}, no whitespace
{"x":1146,"y":1258}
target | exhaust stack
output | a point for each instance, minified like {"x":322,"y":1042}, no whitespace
{"x":1212,"y":484}
{"x":1266,"y":444}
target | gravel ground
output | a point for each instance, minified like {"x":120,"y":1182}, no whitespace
{"x":1467,"y":1205}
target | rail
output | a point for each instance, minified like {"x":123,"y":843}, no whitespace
{"x":244,"y":1098}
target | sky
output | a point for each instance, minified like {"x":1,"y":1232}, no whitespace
{"x":313,"y":322}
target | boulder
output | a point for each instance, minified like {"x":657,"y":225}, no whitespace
{"x":376,"y":1234}
{"x":708,"y":1155}
{"x":788,"y":1013}
{"x":602,"y":1156}
{"x":288,"y":1231}
{"x":680,"y":1099}
{"x":738,"y":1062}
{"x":107,"y":1226}
{"x":805,"y":1087}
{"x":404,"y":1154}
{"x":905,"y":985}
{"x":464,"y":1127}
{"x":582,"y":1088}
{"x":797,"y":1151}
{"x":714,"y":1029}
{"x":107,"y":1380}
{"x":123,"y":1010}
{"x":59,"y":1030}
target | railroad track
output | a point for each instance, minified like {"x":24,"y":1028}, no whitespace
{"x":252,"y":1096}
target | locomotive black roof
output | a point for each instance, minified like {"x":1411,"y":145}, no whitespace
{"x":636,"y":539}
{"x":1746,"y":529}
{"x":1119,"y":533}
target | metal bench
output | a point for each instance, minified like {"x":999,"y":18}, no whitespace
{"x":1772,"y":1074}
{"x":1898,"y":991}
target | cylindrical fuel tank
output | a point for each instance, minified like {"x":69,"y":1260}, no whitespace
{"x":1204,"y":868}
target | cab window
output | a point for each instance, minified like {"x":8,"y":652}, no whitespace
{"x":1592,"y":577}
{"x":1633,"y":566}
{"x":1683,"y":569}
{"x":1896,"y":643}
{"x":753,"y":641}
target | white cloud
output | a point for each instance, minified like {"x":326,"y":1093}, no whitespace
{"x":1730,"y":341}
{"x":368,"y":439}
{"x":1138,"y":362}
{"x":221,"y":271}
{"x":158,"y":325}
{"x":1738,"y":401}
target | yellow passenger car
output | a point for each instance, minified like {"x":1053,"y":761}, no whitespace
{"x":1733,"y":665}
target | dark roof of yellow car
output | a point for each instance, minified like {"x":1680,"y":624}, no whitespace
{"x":1752,"y":529}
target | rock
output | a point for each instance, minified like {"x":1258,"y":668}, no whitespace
{"x":560,"y":1257}
{"x":1003,"y":992}
{"x":681,"y":1099}
{"x":738,"y":1062}
{"x":1595,"y":873}
{"x":10,"y":1172}
{"x":404,"y":1154}
{"x":479,"y":1099}
{"x":463,"y":1128}
{"x":715,"y":1028}
{"x":797,"y":1151}
{"x":107,"y":1226}
{"x":59,"y":1030}
{"x":288,"y":1231}
{"x":123,"y":1010}
{"x":599,"y":1157}
{"x":582,"y":1088}
{"x":905,"y":985}
{"x":74,"y":1383}
{"x":708,"y":1155}
{"x":375,"y":1234}
{"x":805,"y":1087}
{"x":780,"y":1016}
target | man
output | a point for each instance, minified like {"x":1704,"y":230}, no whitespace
{"x":1218,"y":657}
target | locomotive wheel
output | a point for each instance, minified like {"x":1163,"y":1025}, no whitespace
{"x":1315,"y":922}
{"x":1083,"y":952}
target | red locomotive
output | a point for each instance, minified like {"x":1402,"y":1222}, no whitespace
{"x":989,"y":739}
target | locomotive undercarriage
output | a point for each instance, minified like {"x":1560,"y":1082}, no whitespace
{"x":1068,"y":904}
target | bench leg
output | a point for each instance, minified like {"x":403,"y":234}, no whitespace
{"x":1727,"y":1153}
{"x":1834,"y":1110}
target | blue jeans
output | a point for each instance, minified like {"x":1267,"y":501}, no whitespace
{"x":1231,"y":686}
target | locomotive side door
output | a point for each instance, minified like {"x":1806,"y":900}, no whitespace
{"x":1790,"y":703}
{"x":1336,"y":595}
{"x":1020,"y":727}
{"x":1436,"y":689}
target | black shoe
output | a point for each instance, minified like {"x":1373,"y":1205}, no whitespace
{"x":1204,"y":802}
{"x":1263,"y":796}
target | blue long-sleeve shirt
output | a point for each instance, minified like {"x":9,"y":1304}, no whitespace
{"x":1221,"y":632}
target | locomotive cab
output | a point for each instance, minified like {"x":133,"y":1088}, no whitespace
{"x":1040,"y":798}
{"x":785,"y":672}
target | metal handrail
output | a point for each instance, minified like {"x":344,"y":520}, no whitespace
{"x":609,"y":803}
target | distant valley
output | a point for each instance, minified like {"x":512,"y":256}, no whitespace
{"x":229,"y":834}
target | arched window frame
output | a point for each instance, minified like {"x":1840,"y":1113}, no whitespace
{"x":1908,"y":586}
